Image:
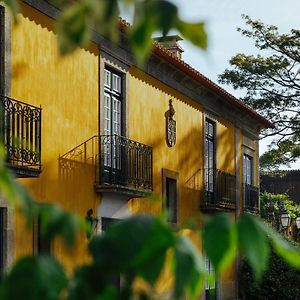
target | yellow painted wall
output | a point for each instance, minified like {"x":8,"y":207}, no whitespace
{"x":148,"y":103}
{"x":67,"y":90}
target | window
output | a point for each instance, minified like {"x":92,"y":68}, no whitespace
{"x":210,"y":284}
{"x":171,"y":199}
{"x":41,"y":244}
{"x":250,"y":192}
{"x":112,"y":116}
{"x":170,"y":195}
{"x":106,"y":223}
{"x":248,"y":169}
{"x":2,"y":238}
{"x":210,"y":159}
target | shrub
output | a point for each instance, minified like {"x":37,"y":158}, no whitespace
{"x":281,"y":281}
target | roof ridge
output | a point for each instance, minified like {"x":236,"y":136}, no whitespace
{"x":164,"y":53}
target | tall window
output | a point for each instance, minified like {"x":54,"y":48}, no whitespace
{"x":112,"y":115}
{"x":210,"y":158}
{"x":248,"y":169}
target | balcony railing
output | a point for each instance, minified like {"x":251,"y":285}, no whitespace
{"x":251,"y":198}
{"x":20,"y":130}
{"x":125,"y":163}
{"x":221,"y":192}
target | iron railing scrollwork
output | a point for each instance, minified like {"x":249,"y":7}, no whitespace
{"x":125,"y":162}
{"x":221,"y":192}
{"x":20,"y":130}
{"x":251,"y":198}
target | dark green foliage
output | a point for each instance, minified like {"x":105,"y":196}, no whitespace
{"x":161,"y":16}
{"x":280,"y":281}
{"x":79,"y":18}
{"x":292,"y":208}
{"x":221,"y":249}
{"x":189,"y":269}
{"x":254,"y":245}
{"x":272,"y":83}
{"x":34,"y":278}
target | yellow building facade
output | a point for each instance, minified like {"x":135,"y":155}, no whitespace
{"x":94,"y":131}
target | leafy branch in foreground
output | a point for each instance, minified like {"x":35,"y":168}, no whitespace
{"x":272,"y":83}
{"x":135,"y":249}
{"x":80,"y":19}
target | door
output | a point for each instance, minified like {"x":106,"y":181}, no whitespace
{"x":113,"y":143}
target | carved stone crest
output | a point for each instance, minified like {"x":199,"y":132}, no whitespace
{"x":171,"y":125}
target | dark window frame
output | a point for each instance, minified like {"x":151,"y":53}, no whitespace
{"x":171,"y":176}
{"x":120,"y":96}
{"x":40,"y":245}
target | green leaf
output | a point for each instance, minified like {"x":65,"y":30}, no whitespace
{"x":282,"y":247}
{"x":107,"y":18}
{"x":137,"y":245}
{"x":16,"y":195}
{"x":56,"y":222}
{"x":140,"y":40}
{"x":189,"y":269}
{"x":194,"y":32}
{"x":13,"y":6}
{"x":254,"y":244}
{"x":35,"y":278}
{"x":220,"y":241}
{"x":74,"y":27}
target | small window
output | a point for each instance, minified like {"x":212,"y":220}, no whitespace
{"x":106,"y":223}
{"x":41,"y":244}
{"x":2,"y":238}
{"x":170,"y":195}
{"x":171,"y":200}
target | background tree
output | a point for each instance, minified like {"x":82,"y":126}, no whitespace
{"x":271,"y":80}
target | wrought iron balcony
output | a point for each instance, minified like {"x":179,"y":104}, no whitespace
{"x":251,"y":198}
{"x":125,"y":166}
{"x":20,"y":130}
{"x":220,"y":191}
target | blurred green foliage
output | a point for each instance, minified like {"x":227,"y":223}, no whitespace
{"x":292,"y":208}
{"x":280,"y":281}
{"x":79,"y":19}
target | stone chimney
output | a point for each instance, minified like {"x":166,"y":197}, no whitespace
{"x":170,"y":43}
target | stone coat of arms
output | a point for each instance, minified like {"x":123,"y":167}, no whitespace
{"x":171,"y":126}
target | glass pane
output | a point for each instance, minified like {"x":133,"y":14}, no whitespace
{"x":107,"y":112}
{"x":107,"y":78}
{"x":116,"y":83}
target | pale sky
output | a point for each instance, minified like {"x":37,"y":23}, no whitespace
{"x":222,"y":17}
